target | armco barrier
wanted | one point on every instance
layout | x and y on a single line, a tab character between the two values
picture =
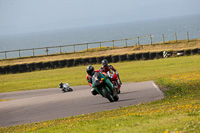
92	60
122	57
115	58
130	57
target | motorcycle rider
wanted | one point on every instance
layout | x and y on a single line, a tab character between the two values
106	67
90	72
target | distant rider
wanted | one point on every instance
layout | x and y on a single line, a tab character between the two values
90	72
106	67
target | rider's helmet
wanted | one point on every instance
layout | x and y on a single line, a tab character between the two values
90	70
104	62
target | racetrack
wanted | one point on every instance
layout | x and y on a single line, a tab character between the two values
46	104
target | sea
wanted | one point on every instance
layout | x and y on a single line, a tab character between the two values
156	28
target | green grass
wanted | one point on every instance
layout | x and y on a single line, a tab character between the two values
133	71
178	112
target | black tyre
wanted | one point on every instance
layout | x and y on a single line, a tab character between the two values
119	92
108	95
70	89
116	97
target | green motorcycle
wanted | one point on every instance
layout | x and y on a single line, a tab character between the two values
104	86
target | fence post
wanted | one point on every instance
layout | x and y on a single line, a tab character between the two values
87	46
19	54
5	55
126	42
138	40
60	50
74	48
176	37
113	45
100	45
188	36
47	50
163	38
151	39
33	53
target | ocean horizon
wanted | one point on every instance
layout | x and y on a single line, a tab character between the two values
167	26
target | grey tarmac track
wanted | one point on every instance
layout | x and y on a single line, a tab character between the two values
47	104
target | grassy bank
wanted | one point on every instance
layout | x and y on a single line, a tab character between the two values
167	46
133	71
178	112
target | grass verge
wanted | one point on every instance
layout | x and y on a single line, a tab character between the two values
178	112
133	71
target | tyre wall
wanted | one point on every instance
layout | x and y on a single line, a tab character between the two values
138	56
22	68
159	55
194	51
85	61
99	59
108	58
62	63
123	57
47	65
39	66
70	62
187	52
92	60
14	69
30	67
130	57
115	58
145	56
76	62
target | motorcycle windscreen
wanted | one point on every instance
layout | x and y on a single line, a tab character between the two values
97	79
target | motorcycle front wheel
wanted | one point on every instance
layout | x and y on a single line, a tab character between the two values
108	95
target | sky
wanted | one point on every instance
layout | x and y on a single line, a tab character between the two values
27	16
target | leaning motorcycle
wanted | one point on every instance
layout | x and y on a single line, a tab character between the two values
115	80
104	87
65	87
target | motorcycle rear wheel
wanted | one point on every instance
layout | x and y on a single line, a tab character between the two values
116	98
